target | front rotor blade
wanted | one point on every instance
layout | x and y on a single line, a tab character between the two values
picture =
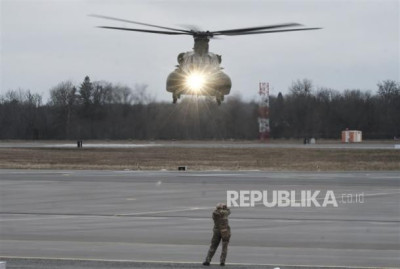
242	30
269	31
144	31
140	23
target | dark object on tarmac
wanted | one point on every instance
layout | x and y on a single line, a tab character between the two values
79	143
199	72
182	168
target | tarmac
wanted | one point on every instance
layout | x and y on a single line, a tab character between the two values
203	144
161	219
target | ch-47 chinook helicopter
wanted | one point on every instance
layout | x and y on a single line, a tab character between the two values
199	72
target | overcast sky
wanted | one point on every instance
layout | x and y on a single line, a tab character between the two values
46	42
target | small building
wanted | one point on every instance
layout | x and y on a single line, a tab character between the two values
351	136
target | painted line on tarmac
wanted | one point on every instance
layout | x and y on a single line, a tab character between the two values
163	211
381	194
39	172
79	217
190	262
213	175
244	219
38	218
321	199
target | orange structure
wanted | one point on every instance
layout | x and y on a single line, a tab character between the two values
351	136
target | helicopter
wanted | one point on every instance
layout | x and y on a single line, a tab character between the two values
199	71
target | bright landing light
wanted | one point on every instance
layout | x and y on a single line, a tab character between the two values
195	81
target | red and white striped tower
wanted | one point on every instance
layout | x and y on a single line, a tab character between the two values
263	111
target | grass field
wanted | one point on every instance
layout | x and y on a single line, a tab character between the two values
156	158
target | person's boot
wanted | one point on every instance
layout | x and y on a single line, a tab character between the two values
206	263
222	264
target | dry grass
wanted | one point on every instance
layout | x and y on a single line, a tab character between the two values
156	158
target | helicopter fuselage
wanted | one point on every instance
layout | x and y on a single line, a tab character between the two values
199	73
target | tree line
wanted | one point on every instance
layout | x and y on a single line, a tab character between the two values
102	110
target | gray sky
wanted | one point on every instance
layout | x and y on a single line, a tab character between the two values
46	42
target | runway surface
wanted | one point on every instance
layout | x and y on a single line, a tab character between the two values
166	217
219	144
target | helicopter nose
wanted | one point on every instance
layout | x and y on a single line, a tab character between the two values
195	81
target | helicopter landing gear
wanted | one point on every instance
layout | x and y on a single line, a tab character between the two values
174	98
220	98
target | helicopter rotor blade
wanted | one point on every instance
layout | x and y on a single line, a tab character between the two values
195	31
139	23
250	29
144	30
269	31
190	27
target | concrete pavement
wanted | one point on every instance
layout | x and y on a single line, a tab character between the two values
165	216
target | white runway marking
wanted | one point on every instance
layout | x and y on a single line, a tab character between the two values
93	145
381	194
212	175
38	218
321	199
76	216
34	172
165	211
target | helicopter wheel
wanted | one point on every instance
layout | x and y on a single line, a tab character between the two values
220	98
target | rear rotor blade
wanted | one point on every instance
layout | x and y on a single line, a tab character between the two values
249	29
145	31
140	23
269	31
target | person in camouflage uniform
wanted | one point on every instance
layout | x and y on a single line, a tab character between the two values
221	231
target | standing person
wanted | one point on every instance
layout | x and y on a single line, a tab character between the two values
221	231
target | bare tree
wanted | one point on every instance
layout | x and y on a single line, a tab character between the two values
64	94
122	95
101	110
301	87
63	98
140	94
102	93
389	92
19	114
388	88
